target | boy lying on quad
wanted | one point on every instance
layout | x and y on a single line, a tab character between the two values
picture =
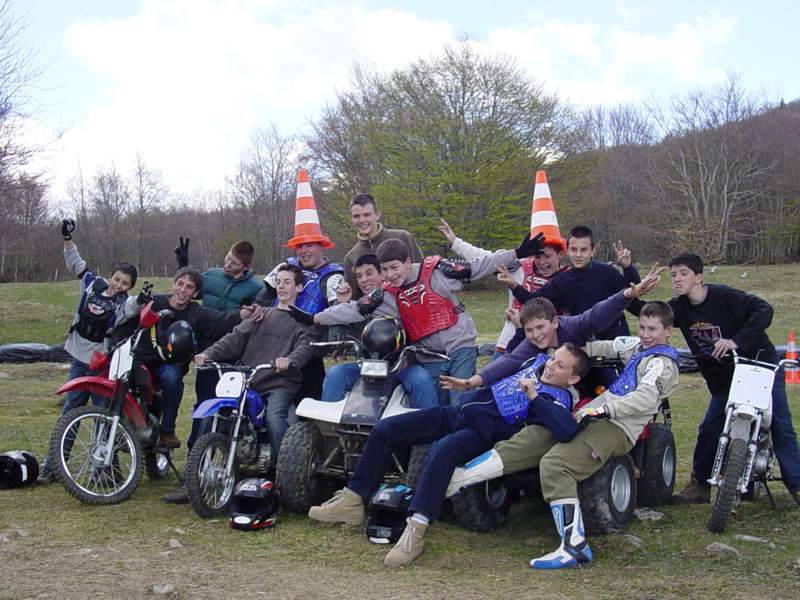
611	424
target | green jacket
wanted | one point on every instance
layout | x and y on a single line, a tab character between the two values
221	292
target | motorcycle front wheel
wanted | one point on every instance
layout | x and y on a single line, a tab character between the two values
79	445
209	484
733	469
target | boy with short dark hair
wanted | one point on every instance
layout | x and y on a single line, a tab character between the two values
588	281
715	319
102	305
276	337
365	217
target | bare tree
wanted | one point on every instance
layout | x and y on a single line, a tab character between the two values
110	199
147	194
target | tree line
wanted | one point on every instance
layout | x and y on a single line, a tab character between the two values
458	136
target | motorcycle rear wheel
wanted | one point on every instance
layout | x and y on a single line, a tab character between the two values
209	485
77	443
728	490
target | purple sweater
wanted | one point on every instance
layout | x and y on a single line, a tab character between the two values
577	329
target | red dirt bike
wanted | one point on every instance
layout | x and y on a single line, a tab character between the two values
99	451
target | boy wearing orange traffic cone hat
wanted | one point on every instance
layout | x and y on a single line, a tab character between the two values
715	319
322	277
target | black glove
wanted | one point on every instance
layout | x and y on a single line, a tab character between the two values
301	316
369	302
67	227
182	252
531	247
145	294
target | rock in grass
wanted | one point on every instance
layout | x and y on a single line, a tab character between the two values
23	533
722	550
797	565
634	540
163	589
751	539
3	537
174	544
179	531
648	514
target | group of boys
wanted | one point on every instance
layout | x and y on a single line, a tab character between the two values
564	314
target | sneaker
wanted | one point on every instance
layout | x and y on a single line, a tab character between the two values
345	507
408	547
169	440
179	496
694	492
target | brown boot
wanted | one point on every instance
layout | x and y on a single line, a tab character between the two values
408	547
345	507
179	496
697	491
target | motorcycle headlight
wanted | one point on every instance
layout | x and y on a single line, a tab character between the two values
374	368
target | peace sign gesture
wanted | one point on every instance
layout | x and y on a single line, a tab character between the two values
623	254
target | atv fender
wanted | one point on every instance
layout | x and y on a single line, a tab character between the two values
398	404
316	410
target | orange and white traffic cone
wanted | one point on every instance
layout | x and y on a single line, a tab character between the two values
543	214
791	373
306	217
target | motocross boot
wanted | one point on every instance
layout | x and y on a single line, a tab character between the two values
697	491
408	547
481	468
179	496
574	549
345	507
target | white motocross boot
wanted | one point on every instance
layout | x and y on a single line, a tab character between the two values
481	468
574	550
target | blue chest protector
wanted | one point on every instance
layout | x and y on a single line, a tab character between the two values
312	298
628	379
512	402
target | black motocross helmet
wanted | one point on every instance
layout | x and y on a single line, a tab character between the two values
178	345
387	512
254	505
383	337
17	469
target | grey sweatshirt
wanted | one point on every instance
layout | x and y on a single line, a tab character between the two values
276	335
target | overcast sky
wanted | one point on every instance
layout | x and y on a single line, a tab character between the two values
185	82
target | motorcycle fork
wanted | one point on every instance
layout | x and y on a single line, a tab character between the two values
117	400
722	447
237	425
752	447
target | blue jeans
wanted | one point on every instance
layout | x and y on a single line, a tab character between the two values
278	402
461	364
340	379
205	384
79	397
784	438
454	443
170	377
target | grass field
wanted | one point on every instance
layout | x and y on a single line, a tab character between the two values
51	546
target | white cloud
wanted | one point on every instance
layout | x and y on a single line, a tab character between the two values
186	81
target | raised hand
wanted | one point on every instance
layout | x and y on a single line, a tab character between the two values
531	246
623	254
512	314
648	283
446	382
504	277
145	294
447	232
182	252
344	293
67	227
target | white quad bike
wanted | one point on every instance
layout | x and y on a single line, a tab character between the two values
744	461
320	452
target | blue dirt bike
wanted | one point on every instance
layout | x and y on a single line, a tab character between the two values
237	439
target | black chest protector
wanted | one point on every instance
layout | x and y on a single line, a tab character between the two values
97	314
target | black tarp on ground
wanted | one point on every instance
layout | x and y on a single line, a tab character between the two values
33	352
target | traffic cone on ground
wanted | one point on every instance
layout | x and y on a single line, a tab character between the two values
306	217
543	214
791	373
